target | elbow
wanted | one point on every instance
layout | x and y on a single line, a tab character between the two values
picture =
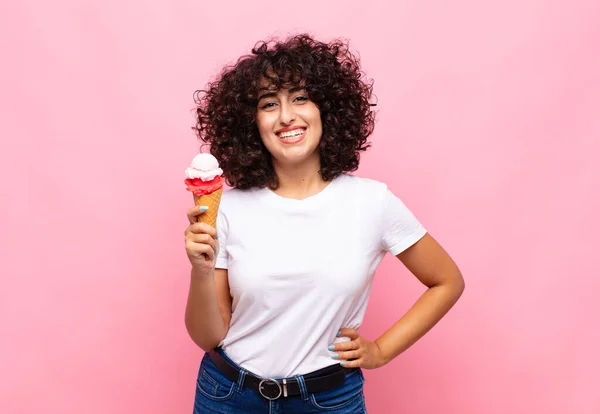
206	341
458	285
453	284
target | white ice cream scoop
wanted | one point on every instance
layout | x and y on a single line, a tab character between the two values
204	166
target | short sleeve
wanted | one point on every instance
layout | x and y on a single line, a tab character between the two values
400	228
222	230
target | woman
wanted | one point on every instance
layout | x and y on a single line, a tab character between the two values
280	288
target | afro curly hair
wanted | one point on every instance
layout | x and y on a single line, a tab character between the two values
226	109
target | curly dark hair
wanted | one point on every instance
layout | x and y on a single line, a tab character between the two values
330	73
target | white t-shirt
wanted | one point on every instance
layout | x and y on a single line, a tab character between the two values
299	270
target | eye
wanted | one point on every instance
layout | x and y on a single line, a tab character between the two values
301	98
268	105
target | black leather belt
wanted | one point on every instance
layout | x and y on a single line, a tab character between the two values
273	389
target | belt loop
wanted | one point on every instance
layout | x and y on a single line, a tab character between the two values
240	382
302	384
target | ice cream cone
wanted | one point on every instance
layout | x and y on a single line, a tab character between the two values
203	179
211	200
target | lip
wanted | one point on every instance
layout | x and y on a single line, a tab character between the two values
296	140
288	129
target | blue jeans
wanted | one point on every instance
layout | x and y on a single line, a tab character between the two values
215	393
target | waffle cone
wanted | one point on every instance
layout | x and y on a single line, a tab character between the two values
211	200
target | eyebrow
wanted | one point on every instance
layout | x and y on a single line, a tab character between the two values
272	93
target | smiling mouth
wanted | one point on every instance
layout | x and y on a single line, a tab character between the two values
291	137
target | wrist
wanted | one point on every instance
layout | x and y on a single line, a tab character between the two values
384	355
200	271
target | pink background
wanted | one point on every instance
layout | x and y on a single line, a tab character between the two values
489	129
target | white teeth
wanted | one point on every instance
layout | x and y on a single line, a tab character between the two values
291	134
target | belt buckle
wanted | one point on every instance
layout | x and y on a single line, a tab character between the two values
261	388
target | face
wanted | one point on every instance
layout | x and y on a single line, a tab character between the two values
289	125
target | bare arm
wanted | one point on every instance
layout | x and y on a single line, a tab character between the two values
208	310
430	263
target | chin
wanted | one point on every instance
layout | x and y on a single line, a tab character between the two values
297	158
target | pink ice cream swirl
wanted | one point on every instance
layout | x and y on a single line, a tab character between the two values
203	176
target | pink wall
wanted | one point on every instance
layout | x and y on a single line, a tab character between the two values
489	129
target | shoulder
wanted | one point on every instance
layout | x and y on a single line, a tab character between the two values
232	205
234	198
233	195
363	186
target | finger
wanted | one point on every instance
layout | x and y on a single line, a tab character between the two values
194	212
344	346
347	355
202	228
203	239
349	333
357	363
200	249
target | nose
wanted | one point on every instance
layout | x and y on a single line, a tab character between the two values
287	114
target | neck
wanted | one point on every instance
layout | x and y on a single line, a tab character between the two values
299	181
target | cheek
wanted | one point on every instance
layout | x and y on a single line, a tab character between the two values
262	128
264	124
265	130
316	122
314	116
